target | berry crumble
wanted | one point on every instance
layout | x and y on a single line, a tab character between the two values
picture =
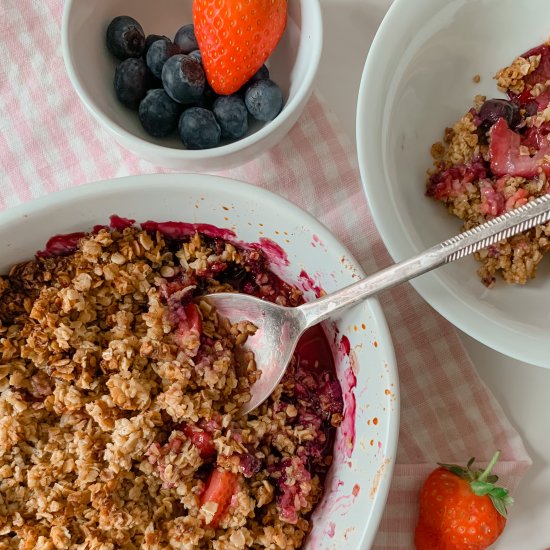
496	158
119	389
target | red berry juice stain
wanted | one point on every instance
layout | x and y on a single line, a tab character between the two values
272	251
120	223
308	283
183	230
331	529
313	347
61	245
350	403
345	345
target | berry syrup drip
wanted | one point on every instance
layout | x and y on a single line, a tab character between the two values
61	245
315	361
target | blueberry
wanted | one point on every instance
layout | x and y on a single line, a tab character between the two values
153	38
131	82
531	108
185	39
198	128
232	116
197	55
207	98
493	109
264	100
158	113
183	78
261	74
157	55
125	37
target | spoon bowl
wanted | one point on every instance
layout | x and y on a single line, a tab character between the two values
278	331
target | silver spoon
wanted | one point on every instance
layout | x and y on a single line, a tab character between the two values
279	327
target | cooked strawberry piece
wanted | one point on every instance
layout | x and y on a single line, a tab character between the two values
453	181
531	104
187	317
539	76
193	317
521	99
220	488
120	223
542	73
541	101
61	245
249	464
176	445
493	202
506	157
537	138
202	440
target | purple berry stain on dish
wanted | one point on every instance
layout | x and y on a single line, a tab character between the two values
350	402
274	252
183	230
308	283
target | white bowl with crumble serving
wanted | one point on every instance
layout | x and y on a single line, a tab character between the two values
138	68
453	118
119	386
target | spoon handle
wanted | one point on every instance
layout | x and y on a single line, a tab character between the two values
511	223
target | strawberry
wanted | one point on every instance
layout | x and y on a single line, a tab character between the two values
236	37
542	73
506	157
193	317
461	509
220	487
202	440
539	76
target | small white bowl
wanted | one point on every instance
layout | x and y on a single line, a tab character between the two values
358	482
91	68
418	79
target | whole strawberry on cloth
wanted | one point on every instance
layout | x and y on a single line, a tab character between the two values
236	37
461	509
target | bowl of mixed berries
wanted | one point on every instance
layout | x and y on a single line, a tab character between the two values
194	85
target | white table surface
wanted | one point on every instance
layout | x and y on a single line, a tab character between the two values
523	390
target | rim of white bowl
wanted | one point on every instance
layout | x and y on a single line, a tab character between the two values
460	312
138	144
176	182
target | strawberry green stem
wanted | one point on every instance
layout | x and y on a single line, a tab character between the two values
483	476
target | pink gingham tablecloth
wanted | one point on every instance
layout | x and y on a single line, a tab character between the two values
49	142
